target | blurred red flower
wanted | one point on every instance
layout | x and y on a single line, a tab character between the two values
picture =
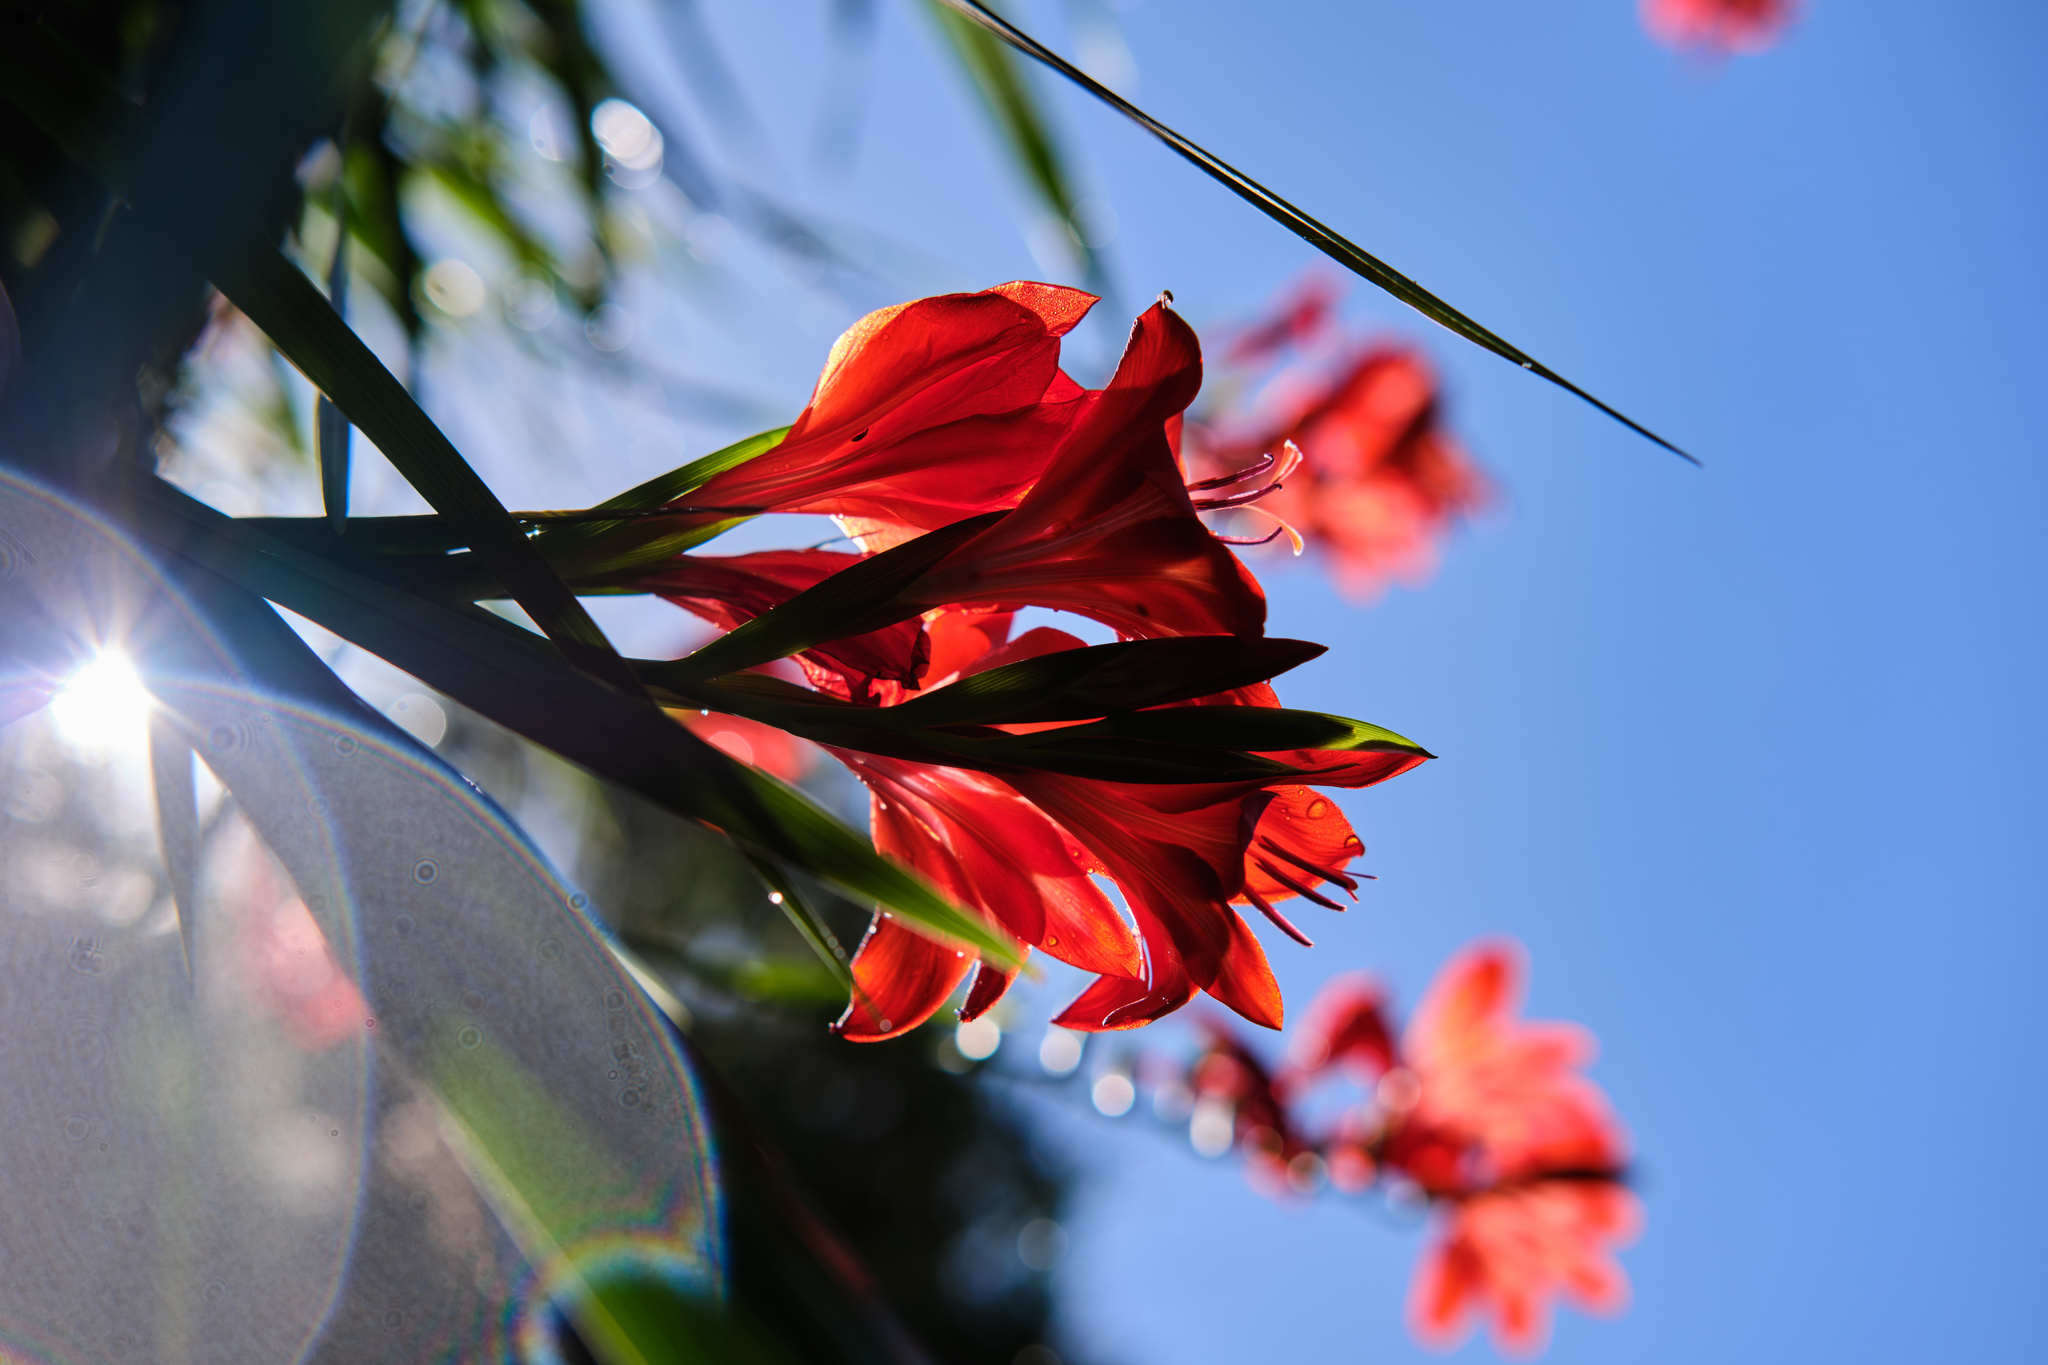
1486	1114
1719	25
1373	478
1534	1210
1511	1251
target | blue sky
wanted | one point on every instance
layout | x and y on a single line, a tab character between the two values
1745	754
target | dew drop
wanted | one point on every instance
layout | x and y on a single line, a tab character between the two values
1352	842
1318	808
1052	940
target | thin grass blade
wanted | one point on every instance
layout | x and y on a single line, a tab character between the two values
1311	230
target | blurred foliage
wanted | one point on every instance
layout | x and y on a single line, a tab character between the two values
894	1154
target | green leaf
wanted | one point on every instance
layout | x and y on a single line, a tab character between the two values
307	331
1079	684
1251	729
810	925
596	546
331	432
602	544
1000	82
1325	239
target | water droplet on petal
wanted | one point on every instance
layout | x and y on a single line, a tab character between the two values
1318	808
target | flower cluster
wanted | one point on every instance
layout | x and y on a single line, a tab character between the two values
1013	767
1373	479
1485	1115
1718	25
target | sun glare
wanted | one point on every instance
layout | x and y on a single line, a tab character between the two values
103	704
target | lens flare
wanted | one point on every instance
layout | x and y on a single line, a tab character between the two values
103	705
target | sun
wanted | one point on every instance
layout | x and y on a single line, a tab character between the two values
102	704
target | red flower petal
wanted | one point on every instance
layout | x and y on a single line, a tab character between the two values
1300	835
1117	1002
925	413
1244	979
900	978
1109	531
1178	855
987	847
1444	1293
1472	998
990	983
1346	1027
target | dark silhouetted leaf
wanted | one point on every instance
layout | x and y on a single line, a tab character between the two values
510	676
308	332
1079	684
332	428
862	597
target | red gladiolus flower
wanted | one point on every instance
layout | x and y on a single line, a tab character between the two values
926	412
1110	531
1718	25
1020	848
1509	1086
1378	480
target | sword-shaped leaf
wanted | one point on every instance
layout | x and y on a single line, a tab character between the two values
1080	684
